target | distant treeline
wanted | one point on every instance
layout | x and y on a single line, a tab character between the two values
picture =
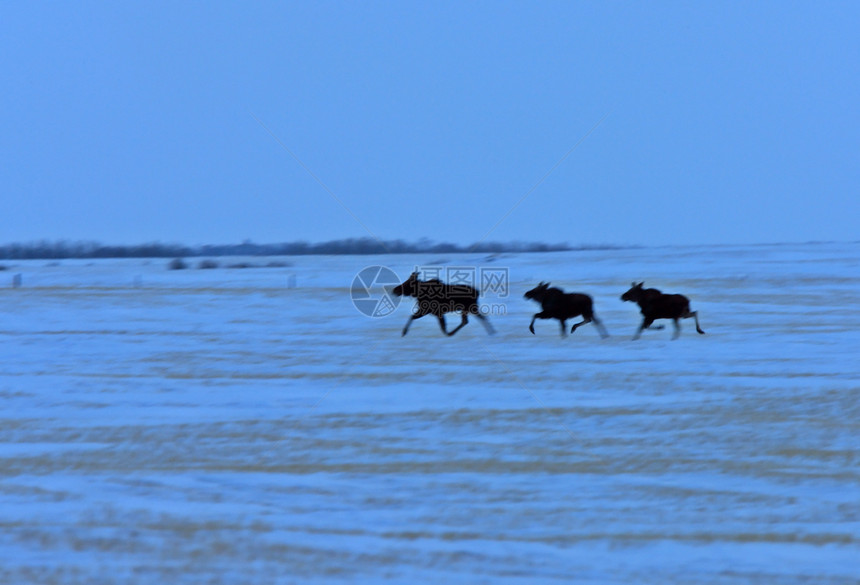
62	249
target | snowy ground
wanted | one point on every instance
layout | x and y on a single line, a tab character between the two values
223	426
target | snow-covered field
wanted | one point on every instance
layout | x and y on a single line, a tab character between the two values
225	426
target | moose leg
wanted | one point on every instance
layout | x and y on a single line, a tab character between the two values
695	315
408	323
600	328
442	323
677	328
486	323
648	326
463	322
563	327
583	322
646	322
540	315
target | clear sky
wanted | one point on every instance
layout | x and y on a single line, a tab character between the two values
723	122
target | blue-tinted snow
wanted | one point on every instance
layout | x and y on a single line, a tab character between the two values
223	426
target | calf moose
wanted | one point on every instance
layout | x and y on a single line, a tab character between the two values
437	298
653	304
557	304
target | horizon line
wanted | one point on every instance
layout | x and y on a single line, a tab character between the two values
90	249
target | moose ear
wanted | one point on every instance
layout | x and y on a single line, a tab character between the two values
546	285
640	284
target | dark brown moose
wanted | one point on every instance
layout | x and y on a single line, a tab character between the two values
437	298
653	304
557	304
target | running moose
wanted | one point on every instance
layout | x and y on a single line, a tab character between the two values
557	304
653	304
437	298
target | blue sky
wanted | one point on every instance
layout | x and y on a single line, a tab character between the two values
724	122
